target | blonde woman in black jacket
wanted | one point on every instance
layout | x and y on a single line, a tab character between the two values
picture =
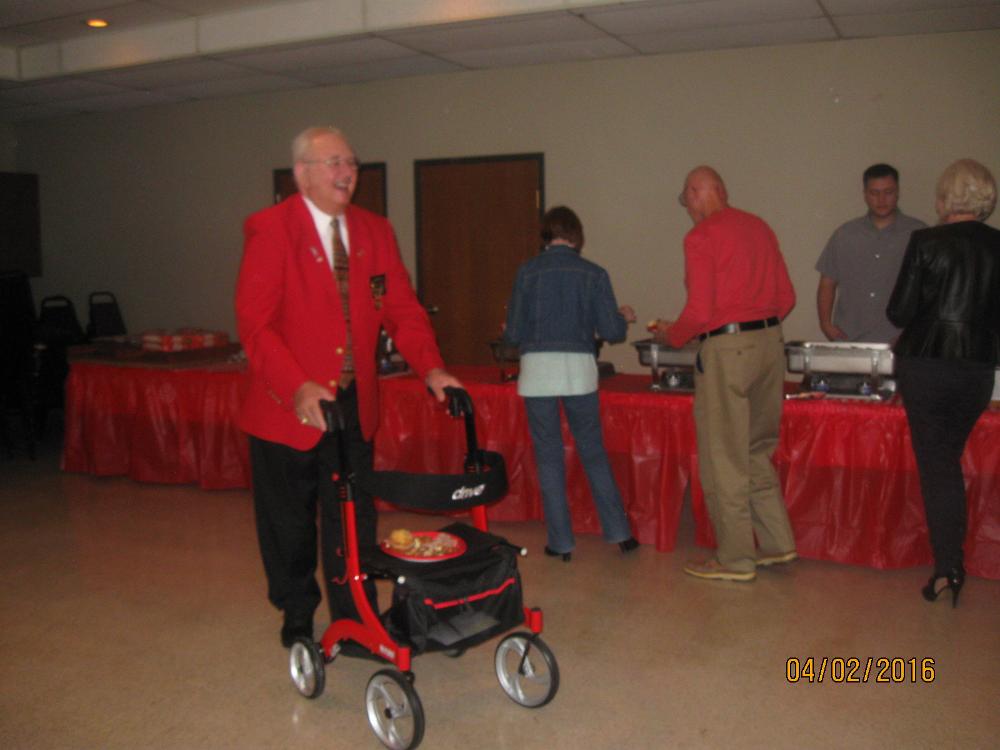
947	301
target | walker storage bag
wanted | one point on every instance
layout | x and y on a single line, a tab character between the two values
461	602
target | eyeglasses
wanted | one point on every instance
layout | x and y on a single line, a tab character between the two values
334	162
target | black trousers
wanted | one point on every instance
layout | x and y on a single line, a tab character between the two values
943	399
288	487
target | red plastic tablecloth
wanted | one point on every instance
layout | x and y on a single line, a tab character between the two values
156	425
847	467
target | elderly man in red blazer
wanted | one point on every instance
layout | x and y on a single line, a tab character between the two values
319	277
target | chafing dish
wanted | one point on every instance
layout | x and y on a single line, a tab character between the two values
671	369
845	369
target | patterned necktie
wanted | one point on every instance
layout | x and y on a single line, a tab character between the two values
340	270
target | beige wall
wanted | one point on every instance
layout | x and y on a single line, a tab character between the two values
149	203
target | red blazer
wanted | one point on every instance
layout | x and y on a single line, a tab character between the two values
291	324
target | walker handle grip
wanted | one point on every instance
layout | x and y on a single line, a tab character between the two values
332	415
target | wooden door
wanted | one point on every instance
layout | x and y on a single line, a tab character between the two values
478	219
369	192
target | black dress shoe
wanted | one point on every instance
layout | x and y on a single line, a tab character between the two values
296	626
566	556
628	545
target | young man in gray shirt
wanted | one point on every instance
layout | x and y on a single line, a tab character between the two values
859	265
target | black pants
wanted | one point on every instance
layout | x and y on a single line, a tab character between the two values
287	486
943	399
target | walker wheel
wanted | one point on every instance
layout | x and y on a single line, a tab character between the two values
527	669
394	710
305	665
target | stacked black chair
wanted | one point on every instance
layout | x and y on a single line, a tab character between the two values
58	329
105	317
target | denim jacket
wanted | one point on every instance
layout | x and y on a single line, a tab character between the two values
560	302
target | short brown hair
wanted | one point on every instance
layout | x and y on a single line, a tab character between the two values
561	223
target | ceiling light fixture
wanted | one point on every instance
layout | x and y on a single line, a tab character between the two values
96	23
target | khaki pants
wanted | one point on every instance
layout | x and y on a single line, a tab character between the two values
737	413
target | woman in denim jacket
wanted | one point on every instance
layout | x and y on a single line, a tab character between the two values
560	305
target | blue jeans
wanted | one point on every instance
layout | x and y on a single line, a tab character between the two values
584	417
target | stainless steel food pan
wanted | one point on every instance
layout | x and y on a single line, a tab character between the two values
839	356
654	354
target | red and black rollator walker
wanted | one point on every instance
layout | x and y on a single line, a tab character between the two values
454	588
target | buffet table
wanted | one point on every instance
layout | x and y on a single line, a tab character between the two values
846	466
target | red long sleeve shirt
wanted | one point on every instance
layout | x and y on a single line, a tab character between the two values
734	273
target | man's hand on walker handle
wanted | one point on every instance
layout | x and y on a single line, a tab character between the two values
438	379
307	406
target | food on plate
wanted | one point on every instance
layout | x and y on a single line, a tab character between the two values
426	544
401	540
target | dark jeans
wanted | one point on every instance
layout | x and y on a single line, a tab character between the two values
287	485
943	399
584	417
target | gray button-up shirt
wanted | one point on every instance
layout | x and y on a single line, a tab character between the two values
864	261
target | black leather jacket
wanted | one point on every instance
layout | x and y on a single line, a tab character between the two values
947	295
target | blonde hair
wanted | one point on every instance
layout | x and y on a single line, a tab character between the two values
966	187
302	142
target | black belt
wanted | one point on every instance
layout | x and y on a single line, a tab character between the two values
750	325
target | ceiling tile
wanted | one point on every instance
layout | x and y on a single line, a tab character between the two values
752	35
253	84
304	57
867	7
380	70
15	39
168	74
57	91
16	12
699	15
208	7
535	54
120	18
499	33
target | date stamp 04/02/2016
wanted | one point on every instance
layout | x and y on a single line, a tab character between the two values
881	669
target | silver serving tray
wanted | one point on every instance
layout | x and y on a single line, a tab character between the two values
852	357
671	369
654	354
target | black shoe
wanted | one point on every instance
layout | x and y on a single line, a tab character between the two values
628	545
954	579
566	556
297	625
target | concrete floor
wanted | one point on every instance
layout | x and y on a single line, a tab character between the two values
134	616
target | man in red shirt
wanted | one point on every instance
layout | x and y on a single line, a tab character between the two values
738	291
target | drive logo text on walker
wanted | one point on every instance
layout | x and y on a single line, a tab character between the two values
464	493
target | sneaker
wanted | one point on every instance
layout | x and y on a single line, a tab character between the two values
712	570
784	557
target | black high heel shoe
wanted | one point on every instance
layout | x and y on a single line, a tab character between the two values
628	545
566	556
954	579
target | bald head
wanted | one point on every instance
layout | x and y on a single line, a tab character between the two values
704	193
